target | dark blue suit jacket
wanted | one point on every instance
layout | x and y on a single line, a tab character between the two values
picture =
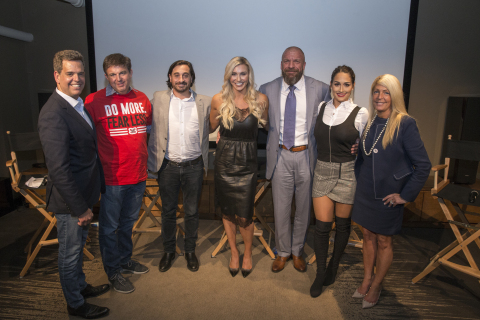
75	174
403	167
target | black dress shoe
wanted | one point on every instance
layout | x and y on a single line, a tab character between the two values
246	272
88	311
166	261
192	261
91	291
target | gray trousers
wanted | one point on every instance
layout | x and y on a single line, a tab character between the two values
291	176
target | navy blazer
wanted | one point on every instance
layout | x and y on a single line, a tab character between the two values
75	174
403	167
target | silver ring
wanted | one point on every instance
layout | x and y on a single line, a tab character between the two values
391	201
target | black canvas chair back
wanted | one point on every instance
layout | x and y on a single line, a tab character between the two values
463	150
24	141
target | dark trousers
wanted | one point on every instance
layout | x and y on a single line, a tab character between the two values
171	179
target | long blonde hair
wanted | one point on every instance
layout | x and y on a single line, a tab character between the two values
227	108
398	106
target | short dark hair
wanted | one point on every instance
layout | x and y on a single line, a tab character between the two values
179	63
116	59
67	55
344	69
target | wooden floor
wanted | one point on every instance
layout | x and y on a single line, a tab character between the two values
444	294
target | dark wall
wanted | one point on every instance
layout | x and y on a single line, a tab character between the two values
446	63
27	67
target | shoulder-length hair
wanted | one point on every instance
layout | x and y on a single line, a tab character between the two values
398	106
227	108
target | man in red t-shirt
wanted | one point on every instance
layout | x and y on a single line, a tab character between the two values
121	115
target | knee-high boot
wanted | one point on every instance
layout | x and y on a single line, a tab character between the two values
322	234
342	226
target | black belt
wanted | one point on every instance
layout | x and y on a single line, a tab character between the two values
185	163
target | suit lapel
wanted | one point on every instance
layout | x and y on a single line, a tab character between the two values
73	114
165	110
276	101
310	92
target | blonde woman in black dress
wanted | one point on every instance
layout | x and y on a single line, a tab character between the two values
238	109
339	124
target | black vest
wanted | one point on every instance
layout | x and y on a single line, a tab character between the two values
334	143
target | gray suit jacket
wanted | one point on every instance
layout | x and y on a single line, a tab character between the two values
317	92
157	143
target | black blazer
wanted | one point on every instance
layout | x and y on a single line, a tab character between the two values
75	174
403	167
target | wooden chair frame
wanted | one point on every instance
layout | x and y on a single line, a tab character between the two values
262	186
470	234
33	198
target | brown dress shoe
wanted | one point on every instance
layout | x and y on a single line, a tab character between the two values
279	263
299	263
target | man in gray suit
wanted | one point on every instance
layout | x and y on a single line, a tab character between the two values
178	151
292	152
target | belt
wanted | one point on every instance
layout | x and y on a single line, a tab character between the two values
185	163
294	149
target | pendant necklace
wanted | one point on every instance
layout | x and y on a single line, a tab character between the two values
378	138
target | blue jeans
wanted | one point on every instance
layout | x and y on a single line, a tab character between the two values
170	180
119	209
71	239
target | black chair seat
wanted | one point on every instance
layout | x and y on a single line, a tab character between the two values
25	178
459	194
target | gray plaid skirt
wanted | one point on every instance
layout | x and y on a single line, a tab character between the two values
335	180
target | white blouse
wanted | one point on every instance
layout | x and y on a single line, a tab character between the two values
334	116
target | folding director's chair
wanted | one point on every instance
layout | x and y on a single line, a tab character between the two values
28	142
460	197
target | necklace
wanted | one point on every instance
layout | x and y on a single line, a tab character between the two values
378	138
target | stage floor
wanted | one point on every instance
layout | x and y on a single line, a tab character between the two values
211	293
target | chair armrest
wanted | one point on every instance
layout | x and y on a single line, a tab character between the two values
10	163
439	167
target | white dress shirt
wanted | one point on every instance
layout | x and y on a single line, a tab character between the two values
77	104
301	132
183	142
334	116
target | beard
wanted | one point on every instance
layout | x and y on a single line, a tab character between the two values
177	88
291	80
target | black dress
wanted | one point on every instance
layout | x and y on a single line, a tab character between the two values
236	169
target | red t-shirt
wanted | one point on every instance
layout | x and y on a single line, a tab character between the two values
121	122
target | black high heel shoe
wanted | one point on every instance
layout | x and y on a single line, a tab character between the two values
233	271
246	272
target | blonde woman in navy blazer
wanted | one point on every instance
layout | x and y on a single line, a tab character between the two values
391	169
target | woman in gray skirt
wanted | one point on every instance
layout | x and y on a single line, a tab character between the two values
339	124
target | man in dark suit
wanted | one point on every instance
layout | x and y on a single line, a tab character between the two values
75	178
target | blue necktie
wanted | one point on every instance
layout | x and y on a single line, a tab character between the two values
289	119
